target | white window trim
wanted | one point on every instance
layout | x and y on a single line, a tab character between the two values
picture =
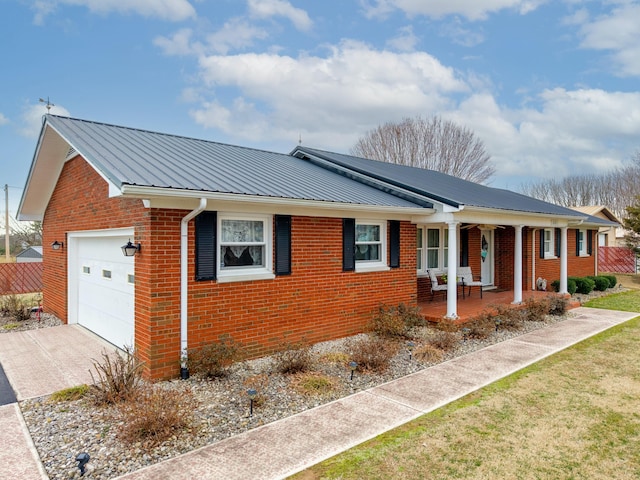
442	249
552	244
246	274
584	252
381	265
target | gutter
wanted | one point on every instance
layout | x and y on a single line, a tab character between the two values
184	285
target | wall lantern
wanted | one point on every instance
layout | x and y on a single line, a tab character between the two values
57	245
130	249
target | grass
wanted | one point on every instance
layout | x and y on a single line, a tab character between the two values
626	301
573	415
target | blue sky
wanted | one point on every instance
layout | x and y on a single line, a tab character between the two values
551	87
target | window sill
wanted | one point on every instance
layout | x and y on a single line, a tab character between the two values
584	255
372	268
245	277
550	257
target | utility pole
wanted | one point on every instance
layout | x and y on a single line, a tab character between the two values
6	224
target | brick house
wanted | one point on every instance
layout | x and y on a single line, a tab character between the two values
227	241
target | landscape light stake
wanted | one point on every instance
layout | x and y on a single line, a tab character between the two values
82	459
465	334
410	346
498	322
353	366
252	395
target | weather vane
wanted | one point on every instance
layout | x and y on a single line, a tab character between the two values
48	104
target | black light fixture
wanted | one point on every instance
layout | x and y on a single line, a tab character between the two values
130	249
353	366
82	459
56	245
252	393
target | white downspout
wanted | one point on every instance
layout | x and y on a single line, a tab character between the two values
184	285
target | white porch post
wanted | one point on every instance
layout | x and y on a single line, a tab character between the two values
452	272
563	260
517	266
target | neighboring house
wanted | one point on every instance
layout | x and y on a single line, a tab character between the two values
260	246
608	235
30	254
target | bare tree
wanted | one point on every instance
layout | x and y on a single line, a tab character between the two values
616	189
433	144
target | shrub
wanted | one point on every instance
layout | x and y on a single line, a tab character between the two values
339	358
584	285
481	326
428	353
536	309
557	305
313	383
443	340
396	321
372	353
154	415
601	283
15	306
509	318
259	383
69	394
612	280
213	360
119	376
293	357
571	285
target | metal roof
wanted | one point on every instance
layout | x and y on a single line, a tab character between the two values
439	186
128	156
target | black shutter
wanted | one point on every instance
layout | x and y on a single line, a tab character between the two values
542	243
589	242
206	224
464	248
394	243
348	244
577	242
558	241
283	245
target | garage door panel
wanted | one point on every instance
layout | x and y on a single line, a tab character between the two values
105	293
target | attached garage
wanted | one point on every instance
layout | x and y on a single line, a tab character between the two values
102	284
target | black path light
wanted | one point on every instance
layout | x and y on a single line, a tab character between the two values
82	459
465	334
498	322
410	347
353	366
252	393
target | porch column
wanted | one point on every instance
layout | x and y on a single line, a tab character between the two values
452	272
517	266
563	260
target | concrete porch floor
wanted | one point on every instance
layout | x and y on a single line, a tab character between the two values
470	306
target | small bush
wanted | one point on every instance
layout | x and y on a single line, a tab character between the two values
601	283
372	353
571	286
313	383
613	281
510	318
481	326
337	358
69	394
154	415
428	353
15	306
293	358
536	309
213	360
119	376
557	305
396	321
584	285
443	340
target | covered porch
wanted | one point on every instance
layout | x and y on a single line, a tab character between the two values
470	306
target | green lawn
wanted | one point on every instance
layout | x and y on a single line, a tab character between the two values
626	301
574	415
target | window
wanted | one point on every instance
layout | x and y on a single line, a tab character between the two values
244	244
131	279
106	273
584	243
371	248
548	248
86	270
436	245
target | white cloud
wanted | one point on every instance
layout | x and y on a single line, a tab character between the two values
235	34
471	9
3	120
617	32
32	117
461	35
405	41
173	10
178	44
334	98
281	8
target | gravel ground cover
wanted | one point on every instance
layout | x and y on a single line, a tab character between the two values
61	430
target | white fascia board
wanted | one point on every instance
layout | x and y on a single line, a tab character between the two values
186	199
504	217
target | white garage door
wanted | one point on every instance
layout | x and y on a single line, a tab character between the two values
106	288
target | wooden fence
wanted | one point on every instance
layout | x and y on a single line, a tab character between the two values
20	278
616	260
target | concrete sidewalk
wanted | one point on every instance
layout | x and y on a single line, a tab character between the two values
285	447
40	362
